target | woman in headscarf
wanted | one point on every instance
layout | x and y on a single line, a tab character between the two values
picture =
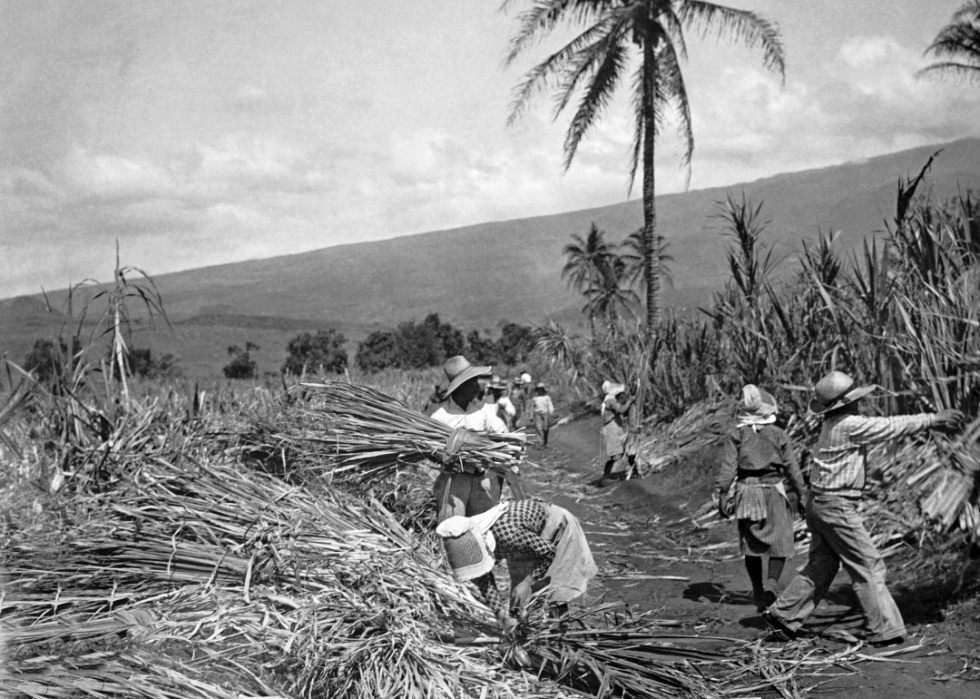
615	442
544	546
760	461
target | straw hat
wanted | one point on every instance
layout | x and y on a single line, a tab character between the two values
468	556
497	383
610	388
758	400
459	370
835	390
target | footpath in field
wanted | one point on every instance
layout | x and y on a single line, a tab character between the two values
659	546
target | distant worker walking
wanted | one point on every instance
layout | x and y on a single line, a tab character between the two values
760	461
498	403
837	480
543	410
615	442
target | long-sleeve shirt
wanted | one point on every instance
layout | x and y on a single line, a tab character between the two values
543	404
518	535
475	417
841	450
614	410
763	452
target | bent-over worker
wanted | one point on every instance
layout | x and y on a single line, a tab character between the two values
544	546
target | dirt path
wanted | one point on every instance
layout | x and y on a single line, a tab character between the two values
653	555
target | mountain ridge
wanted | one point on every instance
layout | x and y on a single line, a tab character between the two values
478	275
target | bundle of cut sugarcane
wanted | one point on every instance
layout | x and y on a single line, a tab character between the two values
368	435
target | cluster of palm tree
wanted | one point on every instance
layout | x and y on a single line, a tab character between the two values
608	274
610	37
642	42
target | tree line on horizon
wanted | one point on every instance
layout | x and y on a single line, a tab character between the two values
412	345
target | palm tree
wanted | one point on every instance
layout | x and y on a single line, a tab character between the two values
607	294
596	60
587	259
594	269
957	46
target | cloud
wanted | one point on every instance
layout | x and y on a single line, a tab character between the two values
110	177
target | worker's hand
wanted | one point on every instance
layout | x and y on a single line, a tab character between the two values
725	506
449	461
951	420
522	594
507	623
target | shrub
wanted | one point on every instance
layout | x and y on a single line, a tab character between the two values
241	365
320	352
378	351
515	344
412	346
142	363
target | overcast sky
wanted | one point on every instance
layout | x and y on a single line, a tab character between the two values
205	132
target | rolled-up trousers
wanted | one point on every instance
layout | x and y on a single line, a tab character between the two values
839	538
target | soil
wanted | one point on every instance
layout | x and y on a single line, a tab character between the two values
660	548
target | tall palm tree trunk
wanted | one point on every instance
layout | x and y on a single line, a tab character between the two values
651	261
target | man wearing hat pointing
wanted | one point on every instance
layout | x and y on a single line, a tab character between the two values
470	492
839	538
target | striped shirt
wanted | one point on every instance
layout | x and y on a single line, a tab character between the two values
841	451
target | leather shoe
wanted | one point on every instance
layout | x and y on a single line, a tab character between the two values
779	629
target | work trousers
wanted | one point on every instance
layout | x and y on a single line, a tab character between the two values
838	537
541	426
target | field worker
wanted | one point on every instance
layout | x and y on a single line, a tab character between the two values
472	491
759	459
498	403
464	394
544	547
837	479
543	409
614	442
527	392
518	394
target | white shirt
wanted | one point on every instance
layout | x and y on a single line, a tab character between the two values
476	417
505	403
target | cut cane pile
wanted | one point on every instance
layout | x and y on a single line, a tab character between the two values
189	573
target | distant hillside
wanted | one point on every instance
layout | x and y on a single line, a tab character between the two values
478	275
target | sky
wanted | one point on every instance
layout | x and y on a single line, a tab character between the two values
198	133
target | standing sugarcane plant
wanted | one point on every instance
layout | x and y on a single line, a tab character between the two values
612	35
114	321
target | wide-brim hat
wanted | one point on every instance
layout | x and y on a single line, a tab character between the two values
496	383
468	556
459	371
758	401
835	390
